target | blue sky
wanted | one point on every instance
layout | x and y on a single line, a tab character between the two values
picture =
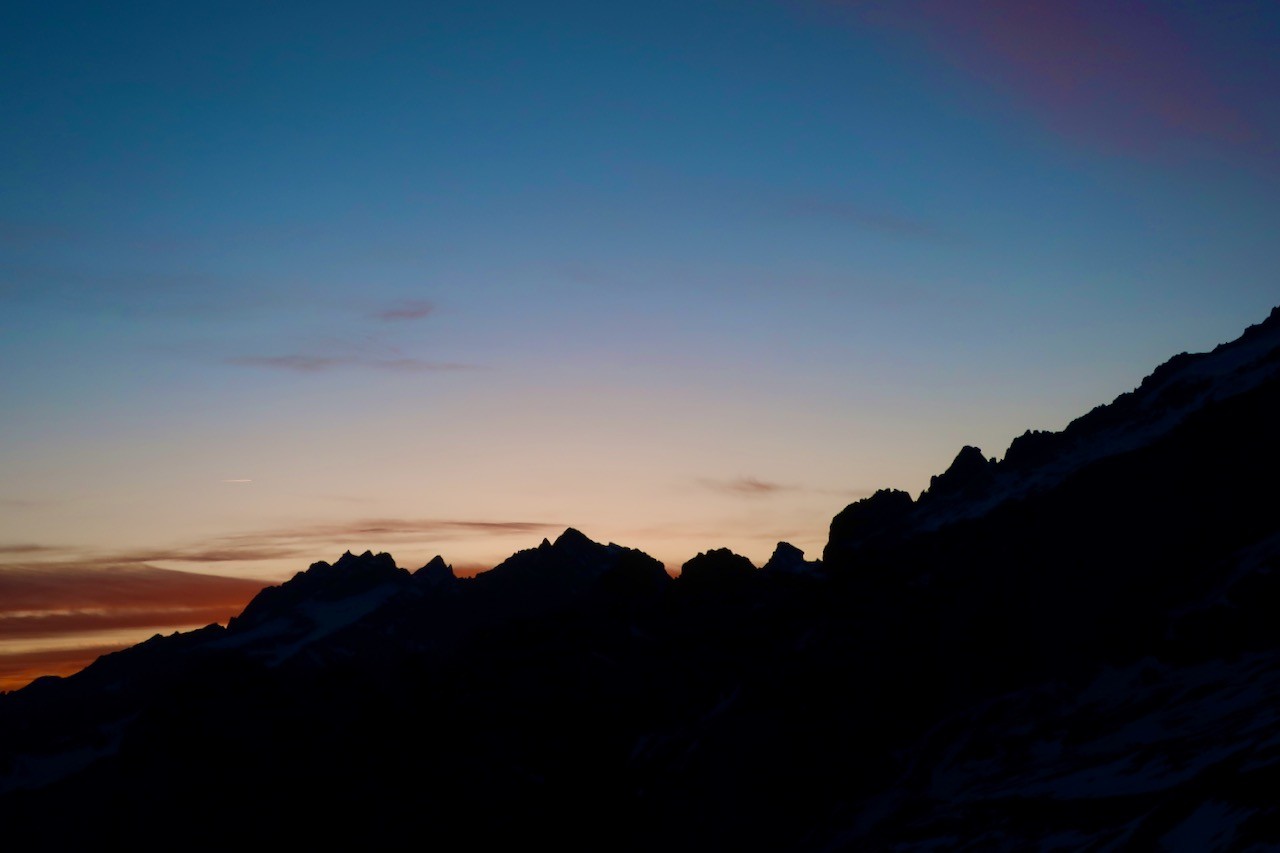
447	277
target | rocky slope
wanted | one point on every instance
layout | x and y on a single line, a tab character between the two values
1073	647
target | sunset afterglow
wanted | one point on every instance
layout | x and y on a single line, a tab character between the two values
278	282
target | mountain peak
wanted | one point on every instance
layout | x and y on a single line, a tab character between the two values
381	561
349	575
788	559
880	515
569	565
435	573
572	537
970	470
1176	392
717	568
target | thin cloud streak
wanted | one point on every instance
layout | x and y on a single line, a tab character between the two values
17	669
21	503
749	486
65	623
298	363
861	217
1121	76
754	487
220	553
91	585
24	234
407	310
388	529
55	616
28	549
303	542
55	613
207	555
295	363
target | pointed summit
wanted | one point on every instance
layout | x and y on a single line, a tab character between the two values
969	471
573	538
569	565
435	573
787	559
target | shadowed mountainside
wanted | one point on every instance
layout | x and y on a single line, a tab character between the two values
1073	646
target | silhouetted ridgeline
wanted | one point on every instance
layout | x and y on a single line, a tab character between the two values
1077	645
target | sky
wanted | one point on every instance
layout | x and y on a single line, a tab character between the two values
280	279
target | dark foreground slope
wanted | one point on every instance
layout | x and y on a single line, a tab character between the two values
1074	647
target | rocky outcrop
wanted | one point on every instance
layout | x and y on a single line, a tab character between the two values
350	575
873	519
435	574
968	473
717	569
787	559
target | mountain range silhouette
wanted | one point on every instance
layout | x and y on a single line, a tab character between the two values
1075	646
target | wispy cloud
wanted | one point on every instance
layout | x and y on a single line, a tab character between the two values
311	542
747	486
753	487
19	668
296	363
22	503
23	548
207	554
304	541
1129	77
61	607
64	624
56	618
126	293
859	216
411	309
75	559
417	365
91	585
23	234
301	363
383	530
589	275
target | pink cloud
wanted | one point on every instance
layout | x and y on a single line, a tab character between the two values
749	486
1127	77
413	309
301	363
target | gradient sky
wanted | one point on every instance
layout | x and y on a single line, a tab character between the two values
282	279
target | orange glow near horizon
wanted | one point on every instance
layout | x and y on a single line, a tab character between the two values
58	617
19	670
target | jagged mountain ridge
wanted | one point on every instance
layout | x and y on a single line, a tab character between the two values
984	665
1039	460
